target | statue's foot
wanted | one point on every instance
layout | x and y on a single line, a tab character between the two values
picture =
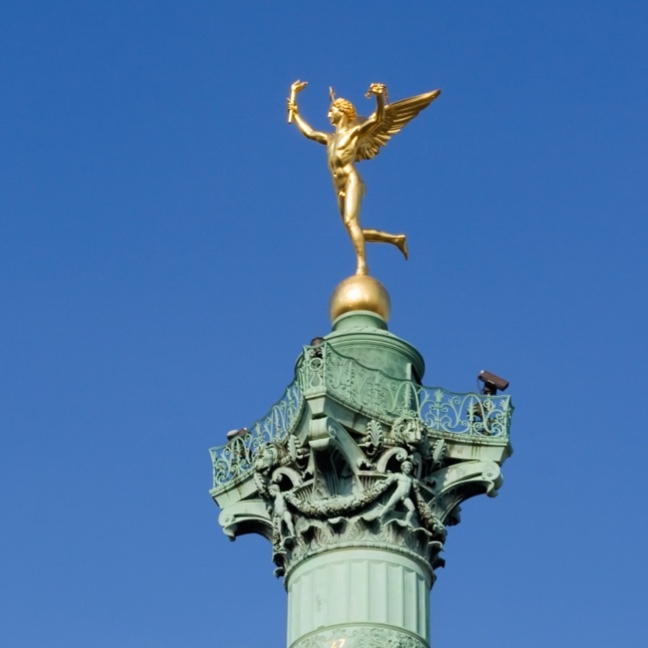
362	270
401	244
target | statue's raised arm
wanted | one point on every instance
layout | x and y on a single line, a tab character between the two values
394	117
356	139
293	114
379	90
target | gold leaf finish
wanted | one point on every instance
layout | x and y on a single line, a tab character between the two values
356	139
360	292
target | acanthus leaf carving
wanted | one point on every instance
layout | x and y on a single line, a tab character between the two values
374	438
333	487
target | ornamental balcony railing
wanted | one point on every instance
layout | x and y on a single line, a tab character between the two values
233	461
378	395
322	371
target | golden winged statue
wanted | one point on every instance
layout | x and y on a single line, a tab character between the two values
356	139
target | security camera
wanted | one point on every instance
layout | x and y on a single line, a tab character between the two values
492	382
232	434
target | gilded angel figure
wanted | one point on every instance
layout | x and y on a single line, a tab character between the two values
356	139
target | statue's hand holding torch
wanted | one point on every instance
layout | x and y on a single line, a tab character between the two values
295	88
378	89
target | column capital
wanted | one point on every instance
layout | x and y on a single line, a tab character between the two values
352	456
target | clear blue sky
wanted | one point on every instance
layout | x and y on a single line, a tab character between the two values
168	243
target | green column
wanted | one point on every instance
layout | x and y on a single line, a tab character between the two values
354	476
359	596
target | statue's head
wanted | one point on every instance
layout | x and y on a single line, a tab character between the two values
267	459
407	467
341	108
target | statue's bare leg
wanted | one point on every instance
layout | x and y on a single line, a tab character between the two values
377	236
409	505
287	518
350	199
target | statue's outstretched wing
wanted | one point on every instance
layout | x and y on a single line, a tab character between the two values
396	116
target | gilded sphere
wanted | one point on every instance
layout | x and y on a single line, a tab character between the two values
360	293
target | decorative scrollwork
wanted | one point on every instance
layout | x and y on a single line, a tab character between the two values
415	412
387	399
311	370
237	459
373	440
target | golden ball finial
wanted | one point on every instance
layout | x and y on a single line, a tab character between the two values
360	293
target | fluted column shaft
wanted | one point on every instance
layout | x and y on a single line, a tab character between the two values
359	597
